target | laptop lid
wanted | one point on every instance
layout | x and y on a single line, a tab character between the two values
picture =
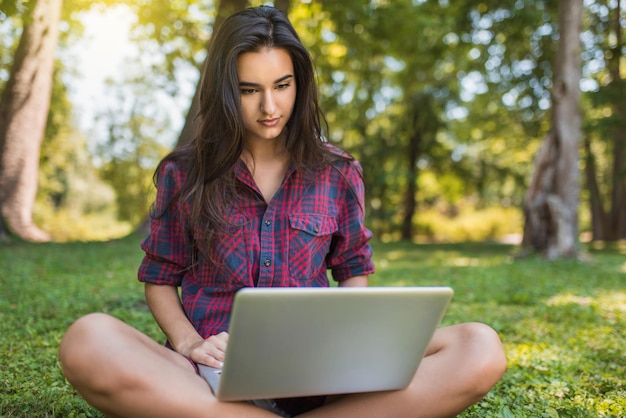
289	342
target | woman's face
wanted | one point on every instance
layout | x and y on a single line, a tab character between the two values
267	88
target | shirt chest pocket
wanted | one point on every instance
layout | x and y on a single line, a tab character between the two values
310	235
230	253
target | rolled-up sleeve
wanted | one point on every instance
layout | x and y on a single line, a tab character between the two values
351	254
167	254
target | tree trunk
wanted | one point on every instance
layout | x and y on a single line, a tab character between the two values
283	5
410	203
23	113
422	129
551	202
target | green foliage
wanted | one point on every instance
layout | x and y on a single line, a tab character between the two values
386	68
8	45
482	72
464	223
11	8
179	29
560	321
65	224
72	203
137	134
133	127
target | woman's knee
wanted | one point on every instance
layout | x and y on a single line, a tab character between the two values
86	328
82	341
487	360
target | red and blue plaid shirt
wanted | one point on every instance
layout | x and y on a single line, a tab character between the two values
312	224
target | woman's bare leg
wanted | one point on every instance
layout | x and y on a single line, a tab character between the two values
462	364
123	372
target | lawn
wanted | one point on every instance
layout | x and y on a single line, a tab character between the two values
562	322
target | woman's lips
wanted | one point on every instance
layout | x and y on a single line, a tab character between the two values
270	122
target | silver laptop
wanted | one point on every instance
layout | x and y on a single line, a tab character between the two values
290	342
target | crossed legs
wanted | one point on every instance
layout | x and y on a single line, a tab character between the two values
462	364
122	372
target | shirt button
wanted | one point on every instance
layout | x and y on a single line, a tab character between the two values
268	222
316	229
267	262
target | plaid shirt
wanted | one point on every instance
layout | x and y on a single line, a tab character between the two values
310	225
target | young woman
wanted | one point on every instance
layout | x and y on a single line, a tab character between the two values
257	199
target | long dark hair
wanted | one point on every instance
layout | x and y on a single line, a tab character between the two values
218	142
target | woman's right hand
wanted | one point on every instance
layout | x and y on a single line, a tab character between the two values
210	351
166	308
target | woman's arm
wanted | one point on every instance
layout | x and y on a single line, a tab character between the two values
167	310
356	281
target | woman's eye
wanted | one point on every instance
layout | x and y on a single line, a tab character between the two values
283	86
248	91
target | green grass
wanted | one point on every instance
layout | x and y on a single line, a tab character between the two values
562	322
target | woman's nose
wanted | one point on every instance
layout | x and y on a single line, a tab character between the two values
268	104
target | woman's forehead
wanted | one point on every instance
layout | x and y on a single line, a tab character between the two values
264	67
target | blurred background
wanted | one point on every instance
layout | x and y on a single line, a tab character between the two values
446	105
